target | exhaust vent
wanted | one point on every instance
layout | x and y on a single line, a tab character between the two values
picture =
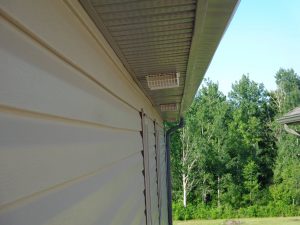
163	81
173	107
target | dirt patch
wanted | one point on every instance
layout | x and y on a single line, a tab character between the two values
232	222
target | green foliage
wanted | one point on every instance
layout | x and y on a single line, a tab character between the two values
288	90
246	164
201	211
251	185
243	221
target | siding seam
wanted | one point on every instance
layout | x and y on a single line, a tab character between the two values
38	115
112	55
43	44
63	58
147	182
71	6
65	184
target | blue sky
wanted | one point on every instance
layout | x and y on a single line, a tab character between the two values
263	36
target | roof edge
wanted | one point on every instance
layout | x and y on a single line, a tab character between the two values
197	65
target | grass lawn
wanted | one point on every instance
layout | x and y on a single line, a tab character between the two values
244	221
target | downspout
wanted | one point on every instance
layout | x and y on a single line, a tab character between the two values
169	180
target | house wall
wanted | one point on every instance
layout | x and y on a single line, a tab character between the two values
70	124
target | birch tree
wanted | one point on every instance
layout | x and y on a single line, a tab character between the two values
189	160
212	116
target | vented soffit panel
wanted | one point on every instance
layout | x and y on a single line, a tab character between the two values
157	38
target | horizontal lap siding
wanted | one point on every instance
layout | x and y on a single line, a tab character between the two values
153	173
70	143
107	196
63	27
38	81
158	169
164	201
63	173
38	154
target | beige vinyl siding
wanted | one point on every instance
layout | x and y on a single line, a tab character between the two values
32	79
145	135
164	200
161	171
155	173
152	172
158	169
77	177
63	29
70	142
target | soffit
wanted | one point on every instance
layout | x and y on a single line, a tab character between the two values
162	36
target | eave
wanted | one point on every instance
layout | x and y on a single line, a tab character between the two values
163	36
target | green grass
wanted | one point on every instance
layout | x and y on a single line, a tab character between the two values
245	221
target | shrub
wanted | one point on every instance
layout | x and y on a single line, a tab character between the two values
202	211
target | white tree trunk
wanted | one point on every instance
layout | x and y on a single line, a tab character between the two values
189	160
184	189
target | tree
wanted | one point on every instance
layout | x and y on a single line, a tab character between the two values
250	175
250	134
209	129
189	160
286	186
287	95
232	153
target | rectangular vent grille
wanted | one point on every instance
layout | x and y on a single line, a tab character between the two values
163	81
173	107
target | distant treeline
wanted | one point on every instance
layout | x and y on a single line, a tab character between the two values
232	158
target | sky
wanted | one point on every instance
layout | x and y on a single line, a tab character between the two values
263	36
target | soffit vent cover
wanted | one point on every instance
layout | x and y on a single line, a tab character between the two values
163	81
173	107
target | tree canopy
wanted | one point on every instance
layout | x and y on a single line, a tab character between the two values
233	153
